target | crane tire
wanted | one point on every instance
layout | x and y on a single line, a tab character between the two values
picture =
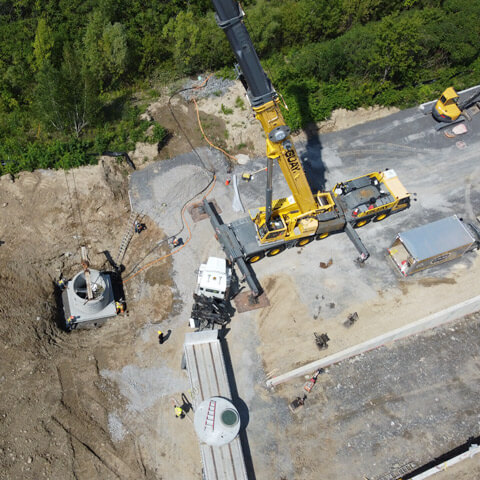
381	216
275	251
303	241
361	223
321	236
256	257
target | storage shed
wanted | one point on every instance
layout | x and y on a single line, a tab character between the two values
432	244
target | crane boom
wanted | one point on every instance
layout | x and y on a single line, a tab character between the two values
265	104
259	87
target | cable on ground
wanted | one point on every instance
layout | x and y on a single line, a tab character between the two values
212	182
185	223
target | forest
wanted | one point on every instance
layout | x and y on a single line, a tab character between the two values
76	74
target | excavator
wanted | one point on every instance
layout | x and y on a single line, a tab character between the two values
449	109
304	216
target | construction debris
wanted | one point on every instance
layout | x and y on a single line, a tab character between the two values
208	312
326	265
321	340
297	404
351	319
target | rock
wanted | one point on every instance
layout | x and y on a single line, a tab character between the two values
146	116
242	159
29	460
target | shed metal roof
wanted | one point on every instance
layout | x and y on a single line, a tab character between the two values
436	238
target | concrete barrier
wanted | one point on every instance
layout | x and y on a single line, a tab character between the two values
435	320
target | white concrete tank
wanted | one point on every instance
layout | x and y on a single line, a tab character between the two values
216	421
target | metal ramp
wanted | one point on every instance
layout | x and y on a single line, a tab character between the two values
208	378
127	236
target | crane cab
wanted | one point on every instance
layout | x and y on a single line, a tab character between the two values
446	109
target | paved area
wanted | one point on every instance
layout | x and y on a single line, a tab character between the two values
396	406
392	406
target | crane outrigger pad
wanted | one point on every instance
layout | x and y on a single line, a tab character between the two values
244	302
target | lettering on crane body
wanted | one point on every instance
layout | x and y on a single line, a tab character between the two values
292	160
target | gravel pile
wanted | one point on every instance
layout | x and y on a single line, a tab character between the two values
214	86
161	189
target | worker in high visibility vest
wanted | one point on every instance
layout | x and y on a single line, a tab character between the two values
179	413
120	307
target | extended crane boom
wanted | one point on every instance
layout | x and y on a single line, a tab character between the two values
265	103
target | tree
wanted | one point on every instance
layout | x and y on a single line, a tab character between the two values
105	48
43	44
398	47
197	43
67	98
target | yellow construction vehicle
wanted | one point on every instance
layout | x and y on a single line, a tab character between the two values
304	216
449	108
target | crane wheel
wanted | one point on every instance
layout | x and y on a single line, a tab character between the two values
381	216
362	222
321	236
303	241
256	257
275	251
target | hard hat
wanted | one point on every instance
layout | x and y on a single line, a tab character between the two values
159	332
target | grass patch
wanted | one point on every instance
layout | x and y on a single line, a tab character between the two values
225	110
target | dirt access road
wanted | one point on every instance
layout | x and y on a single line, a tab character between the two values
96	404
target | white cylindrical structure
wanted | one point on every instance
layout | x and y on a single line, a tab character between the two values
216	421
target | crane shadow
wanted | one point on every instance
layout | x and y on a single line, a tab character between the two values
311	154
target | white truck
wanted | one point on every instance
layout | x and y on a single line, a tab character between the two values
211	297
214	278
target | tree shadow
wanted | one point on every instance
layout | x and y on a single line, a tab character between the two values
311	157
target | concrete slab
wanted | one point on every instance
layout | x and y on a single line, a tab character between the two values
432	321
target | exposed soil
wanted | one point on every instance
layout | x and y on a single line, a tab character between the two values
55	386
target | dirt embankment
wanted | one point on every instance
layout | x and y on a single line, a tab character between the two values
53	415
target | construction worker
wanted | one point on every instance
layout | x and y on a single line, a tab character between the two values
62	284
120	307
179	413
161	338
139	227
70	321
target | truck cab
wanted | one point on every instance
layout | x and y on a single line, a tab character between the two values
214	278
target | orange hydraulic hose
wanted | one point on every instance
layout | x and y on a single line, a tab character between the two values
206	138
186	205
181	246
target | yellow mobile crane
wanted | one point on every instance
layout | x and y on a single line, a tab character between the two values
304	216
